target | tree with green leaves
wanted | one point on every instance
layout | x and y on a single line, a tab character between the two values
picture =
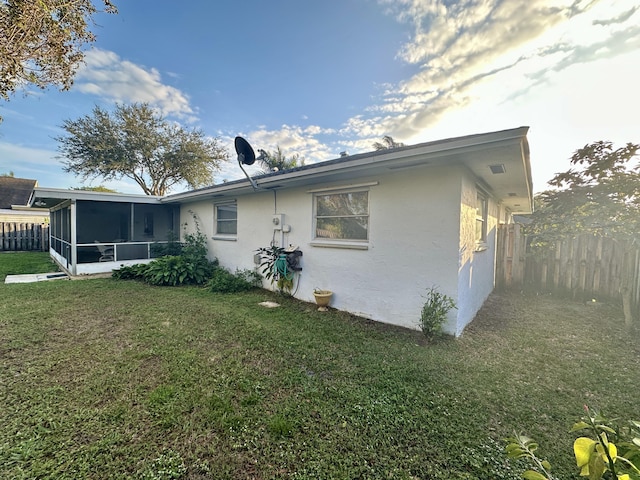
137	142
601	197
41	42
277	161
99	188
388	143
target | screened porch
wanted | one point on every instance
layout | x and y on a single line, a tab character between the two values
99	235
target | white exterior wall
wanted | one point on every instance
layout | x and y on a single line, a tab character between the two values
413	243
476	269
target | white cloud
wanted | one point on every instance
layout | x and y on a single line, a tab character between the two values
489	53
108	76
566	68
13	156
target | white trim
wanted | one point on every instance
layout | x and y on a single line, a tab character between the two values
343	187
340	242
348	244
225	238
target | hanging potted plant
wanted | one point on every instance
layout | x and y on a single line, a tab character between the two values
323	298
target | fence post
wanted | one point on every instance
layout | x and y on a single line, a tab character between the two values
24	236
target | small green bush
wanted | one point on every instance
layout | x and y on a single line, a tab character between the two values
224	281
172	247
178	270
131	272
434	313
190	267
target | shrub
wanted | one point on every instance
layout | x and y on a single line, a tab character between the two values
132	272
224	281
172	247
195	245
190	267
434	313
178	270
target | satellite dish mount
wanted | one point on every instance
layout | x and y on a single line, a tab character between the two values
246	156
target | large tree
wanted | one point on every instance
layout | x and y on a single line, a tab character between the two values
601	196
137	142
41	41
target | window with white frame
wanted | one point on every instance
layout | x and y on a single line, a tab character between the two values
481	218
226	218
342	215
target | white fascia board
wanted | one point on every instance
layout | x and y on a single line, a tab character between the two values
362	161
64	194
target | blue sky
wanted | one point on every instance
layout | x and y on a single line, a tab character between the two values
319	78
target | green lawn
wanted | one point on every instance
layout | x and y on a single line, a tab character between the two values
110	379
16	263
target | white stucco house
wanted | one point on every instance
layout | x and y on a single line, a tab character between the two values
377	228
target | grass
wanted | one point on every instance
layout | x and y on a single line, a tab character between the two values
16	263
118	379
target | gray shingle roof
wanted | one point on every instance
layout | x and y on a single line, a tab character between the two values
15	191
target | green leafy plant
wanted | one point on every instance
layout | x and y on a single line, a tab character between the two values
190	267
434	313
523	447
178	270
268	258
172	246
224	281
269	263
131	272
609	451
285	283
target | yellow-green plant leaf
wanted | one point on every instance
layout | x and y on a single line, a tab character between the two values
636	441
584	471
579	426
514	450
532	475
624	476
596	467
613	452
546	465
583	448
607	429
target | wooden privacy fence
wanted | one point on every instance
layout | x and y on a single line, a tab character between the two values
24	236
586	266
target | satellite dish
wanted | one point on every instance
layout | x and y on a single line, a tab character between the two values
246	155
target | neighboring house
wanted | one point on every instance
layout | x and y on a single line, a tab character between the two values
378	228
14	199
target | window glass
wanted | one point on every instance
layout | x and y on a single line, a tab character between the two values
342	216
481	218
227	219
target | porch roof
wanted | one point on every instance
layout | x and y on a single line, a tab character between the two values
50	197
499	159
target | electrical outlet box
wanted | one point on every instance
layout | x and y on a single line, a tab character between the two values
278	221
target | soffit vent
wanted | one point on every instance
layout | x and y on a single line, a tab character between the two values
497	169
